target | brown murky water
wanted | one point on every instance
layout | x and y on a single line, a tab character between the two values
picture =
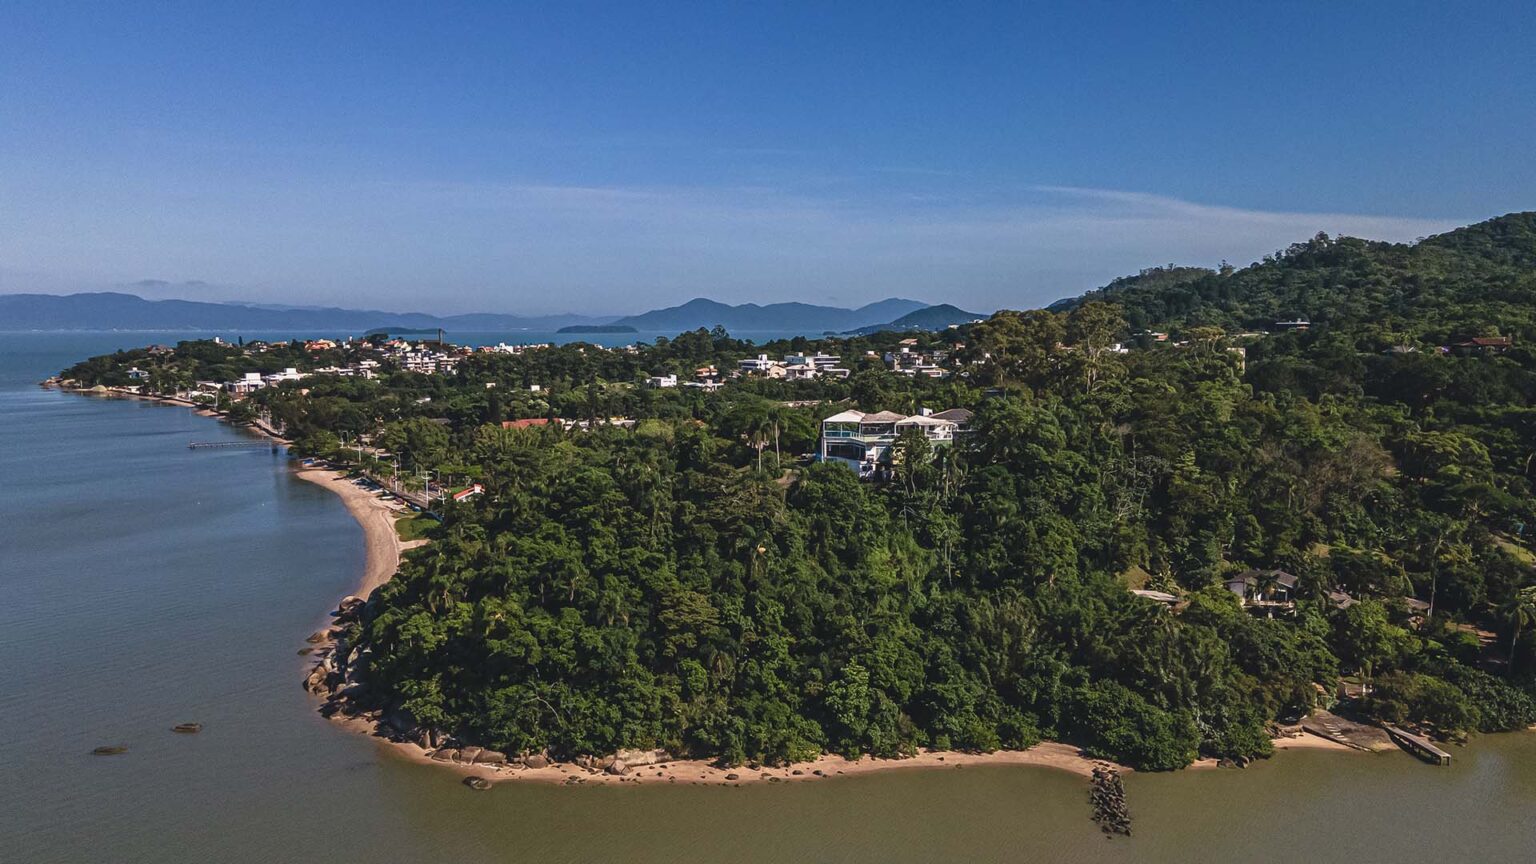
144	585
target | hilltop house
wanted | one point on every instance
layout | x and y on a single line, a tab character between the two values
760	365
1263	587
1483	345
914	363
863	441
814	366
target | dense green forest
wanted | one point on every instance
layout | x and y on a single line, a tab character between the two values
695	582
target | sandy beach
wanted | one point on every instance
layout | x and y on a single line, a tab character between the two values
1047	754
376	516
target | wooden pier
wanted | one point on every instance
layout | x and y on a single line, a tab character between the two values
1418	745
229	445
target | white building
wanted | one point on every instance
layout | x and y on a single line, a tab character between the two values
661	381
276	378
250	382
825	365
760	365
863	441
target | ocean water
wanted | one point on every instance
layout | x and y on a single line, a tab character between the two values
143	584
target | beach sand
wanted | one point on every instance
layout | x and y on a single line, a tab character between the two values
377	518
1047	754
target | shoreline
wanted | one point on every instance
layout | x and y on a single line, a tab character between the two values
383	551
382	544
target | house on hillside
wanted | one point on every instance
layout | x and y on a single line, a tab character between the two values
1485	345
1264	589
760	365
863	441
824	365
250	382
961	417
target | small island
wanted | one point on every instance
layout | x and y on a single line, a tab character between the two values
598	328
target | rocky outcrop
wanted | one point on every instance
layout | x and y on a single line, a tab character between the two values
1107	795
319	679
350	609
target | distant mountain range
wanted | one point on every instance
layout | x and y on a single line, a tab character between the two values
119	311
115	311
927	318
801	317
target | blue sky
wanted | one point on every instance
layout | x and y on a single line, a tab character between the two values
612	157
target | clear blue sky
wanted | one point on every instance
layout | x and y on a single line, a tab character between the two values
610	157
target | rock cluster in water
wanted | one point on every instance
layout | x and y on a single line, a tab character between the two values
1107	795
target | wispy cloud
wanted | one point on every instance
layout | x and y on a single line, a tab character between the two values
554	247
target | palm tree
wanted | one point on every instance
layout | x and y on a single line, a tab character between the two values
1520	610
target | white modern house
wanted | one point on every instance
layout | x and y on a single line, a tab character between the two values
828	365
759	365
863	441
275	378
661	381
250	382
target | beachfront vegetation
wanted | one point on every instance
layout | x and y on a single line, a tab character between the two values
692	582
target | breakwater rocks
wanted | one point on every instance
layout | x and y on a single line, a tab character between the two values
1107	795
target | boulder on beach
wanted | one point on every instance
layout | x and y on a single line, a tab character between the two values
536	760
618	768
468	754
636	758
318	679
490	757
479	784
445	754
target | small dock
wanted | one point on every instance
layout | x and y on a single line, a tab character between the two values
1419	746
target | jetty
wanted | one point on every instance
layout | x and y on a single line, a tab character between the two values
230	445
1418	745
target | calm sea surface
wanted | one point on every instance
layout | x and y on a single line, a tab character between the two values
144	585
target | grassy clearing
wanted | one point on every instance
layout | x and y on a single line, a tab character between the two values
416	526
